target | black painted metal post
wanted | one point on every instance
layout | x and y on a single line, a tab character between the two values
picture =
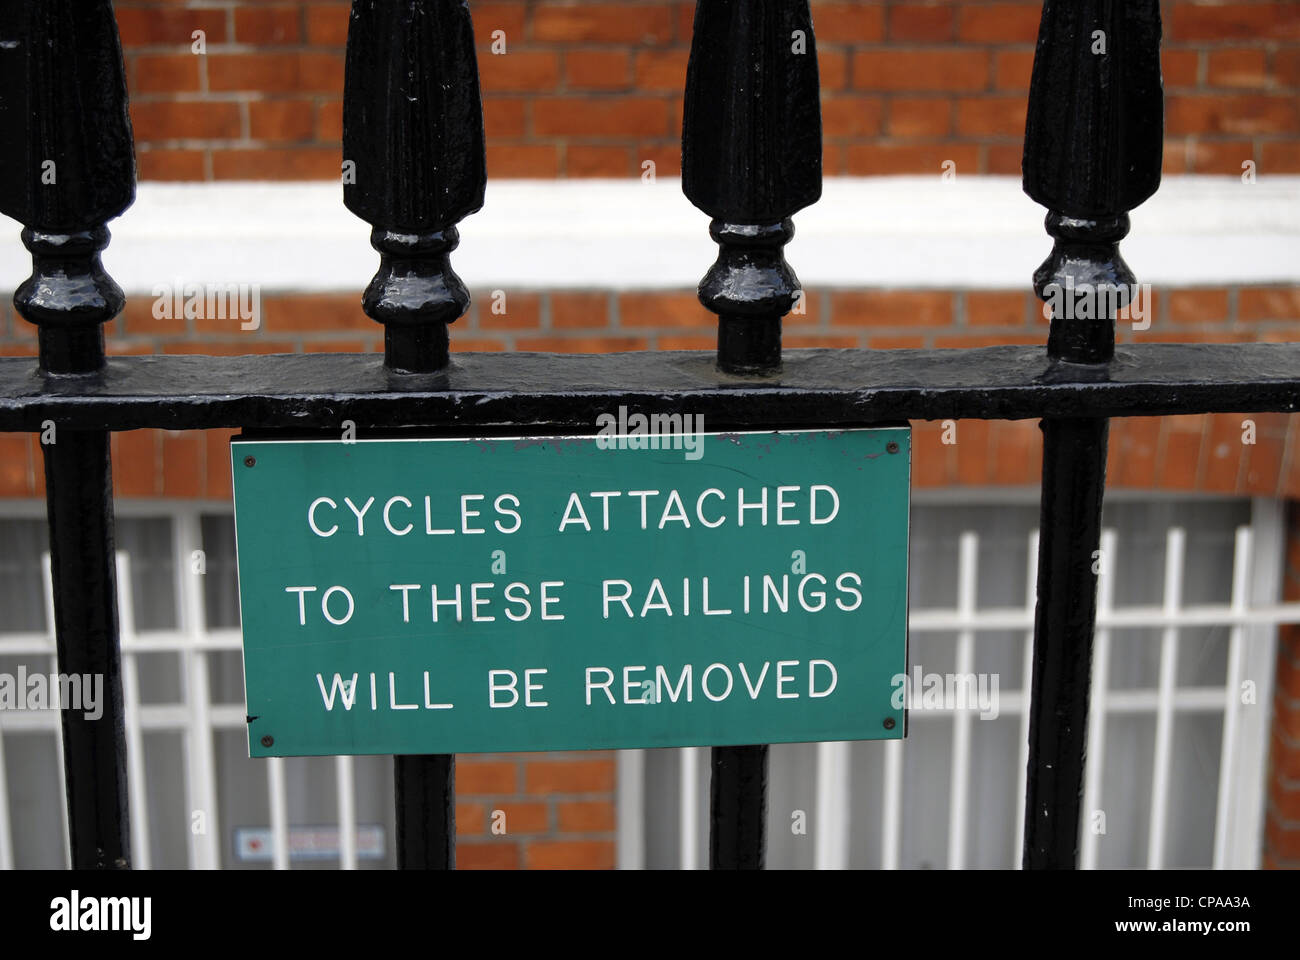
1093	142
426	811
413	167
66	168
751	158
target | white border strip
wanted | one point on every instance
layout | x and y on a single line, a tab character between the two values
902	232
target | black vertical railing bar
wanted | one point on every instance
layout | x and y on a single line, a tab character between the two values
413	167
1093	143
751	158
66	169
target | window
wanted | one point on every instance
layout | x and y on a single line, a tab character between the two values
948	796
951	794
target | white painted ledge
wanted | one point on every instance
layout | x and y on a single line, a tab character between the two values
902	232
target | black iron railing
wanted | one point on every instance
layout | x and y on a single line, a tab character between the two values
414	167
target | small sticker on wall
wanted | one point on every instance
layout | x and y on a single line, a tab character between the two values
257	845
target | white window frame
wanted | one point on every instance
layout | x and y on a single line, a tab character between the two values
1253	614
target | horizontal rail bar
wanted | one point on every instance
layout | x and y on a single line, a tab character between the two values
521	390
929	620
1137	616
156	718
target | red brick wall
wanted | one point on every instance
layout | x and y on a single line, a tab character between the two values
535	811
594	88
1202	453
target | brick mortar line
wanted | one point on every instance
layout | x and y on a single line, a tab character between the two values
1281	822
1287	743
199	97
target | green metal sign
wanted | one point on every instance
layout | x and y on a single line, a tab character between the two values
571	593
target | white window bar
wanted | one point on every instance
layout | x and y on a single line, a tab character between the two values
831	828
1237	845
278	798
48	646
135	778
631	809
6	834
1232	696
1026	687
689	803
891	818
345	787
959	785
1175	547
200	767
1099	708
